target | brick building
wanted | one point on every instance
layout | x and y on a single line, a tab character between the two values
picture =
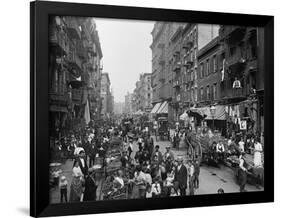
74	72
106	96
142	95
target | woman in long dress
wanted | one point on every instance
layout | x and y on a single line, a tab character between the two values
76	187
257	154
258	165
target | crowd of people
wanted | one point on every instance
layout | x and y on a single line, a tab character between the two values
156	174
145	171
149	172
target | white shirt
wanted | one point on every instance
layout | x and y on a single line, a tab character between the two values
120	180
82	162
148	178
241	146
220	147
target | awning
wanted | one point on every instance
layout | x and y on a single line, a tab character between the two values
219	115
197	111
163	109
155	108
184	116
205	112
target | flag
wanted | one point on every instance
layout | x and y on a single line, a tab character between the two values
222	72
87	113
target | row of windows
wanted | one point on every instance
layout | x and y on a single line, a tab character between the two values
209	66
208	93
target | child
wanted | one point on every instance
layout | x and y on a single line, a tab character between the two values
173	193
63	189
56	175
156	189
148	192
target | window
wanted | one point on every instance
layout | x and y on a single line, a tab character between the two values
215	63
192	95
207	67
201	94
208	93
215	91
194	36
195	95
201	70
148	95
195	54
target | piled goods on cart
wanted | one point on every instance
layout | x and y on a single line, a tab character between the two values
115	186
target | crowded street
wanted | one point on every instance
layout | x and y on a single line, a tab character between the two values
171	115
211	178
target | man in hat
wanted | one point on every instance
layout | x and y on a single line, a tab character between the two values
158	154
168	154
242	172
181	177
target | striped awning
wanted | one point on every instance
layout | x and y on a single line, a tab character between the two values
205	112
163	109
155	108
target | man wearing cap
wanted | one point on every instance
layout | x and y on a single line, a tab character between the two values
82	162
181	176
169	154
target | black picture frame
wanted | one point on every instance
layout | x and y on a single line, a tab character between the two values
39	137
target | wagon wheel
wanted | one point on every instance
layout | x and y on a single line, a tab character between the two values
190	151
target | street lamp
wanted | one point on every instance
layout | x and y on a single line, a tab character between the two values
213	112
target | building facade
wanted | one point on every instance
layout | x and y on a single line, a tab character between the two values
128	103
230	80
174	64
106	95
142	95
74	72
242	84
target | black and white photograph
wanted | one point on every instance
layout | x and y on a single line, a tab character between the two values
151	109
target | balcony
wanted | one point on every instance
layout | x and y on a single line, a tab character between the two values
58	39
90	48
74	62
73	28
252	65
90	67
58	98
176	84
161	59
77	96
236	63
188	44
81	51
177	67
188	62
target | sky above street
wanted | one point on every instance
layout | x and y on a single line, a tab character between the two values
126	52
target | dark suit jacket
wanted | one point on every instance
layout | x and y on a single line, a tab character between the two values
181	176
